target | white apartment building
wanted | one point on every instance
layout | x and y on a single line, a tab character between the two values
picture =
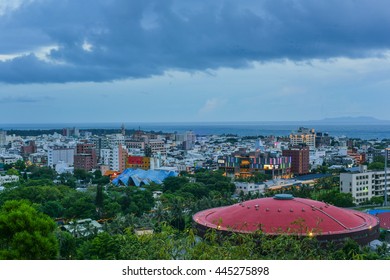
115	139
105	156
115	158
58	154
364	185
9	159
246	188
8	179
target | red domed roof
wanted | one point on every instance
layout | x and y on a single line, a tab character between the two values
284	213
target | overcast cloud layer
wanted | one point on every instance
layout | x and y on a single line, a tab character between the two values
50	41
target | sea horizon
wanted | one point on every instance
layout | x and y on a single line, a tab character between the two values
240	128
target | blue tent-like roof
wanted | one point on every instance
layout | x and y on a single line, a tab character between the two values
140	176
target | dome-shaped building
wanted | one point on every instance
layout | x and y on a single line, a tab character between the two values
285	214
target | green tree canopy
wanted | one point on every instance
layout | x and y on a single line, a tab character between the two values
26	233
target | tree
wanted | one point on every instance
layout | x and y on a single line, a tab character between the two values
26	233
44	172
99	200
174	183
81	174
12	171
376	166
20	165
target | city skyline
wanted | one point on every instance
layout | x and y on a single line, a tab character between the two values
193	61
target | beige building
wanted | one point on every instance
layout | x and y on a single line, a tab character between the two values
303	136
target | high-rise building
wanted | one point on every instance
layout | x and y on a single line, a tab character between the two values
118	158
58	154
300	159
70	131
85	157
115	158
303	136
186	140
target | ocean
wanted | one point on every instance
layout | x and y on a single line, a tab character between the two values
366	132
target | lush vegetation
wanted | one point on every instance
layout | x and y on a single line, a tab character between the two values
326	189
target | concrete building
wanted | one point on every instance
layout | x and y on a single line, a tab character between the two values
115	139
39	159
186	140
9	159
244	164
157	147
303	136
145	163
62	167
252	188
323	139
364	184
28	149
115	158
58	154
299	159
118	158
70	132
85	157
105	155
135	144
8	179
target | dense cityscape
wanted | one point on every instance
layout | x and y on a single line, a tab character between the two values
132	194
194	138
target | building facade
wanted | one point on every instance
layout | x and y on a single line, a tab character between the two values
58	154
300	159
246	165
85	157
364	185
304	136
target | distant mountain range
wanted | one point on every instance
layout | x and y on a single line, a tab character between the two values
350	121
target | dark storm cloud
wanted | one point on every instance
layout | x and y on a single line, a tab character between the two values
100	40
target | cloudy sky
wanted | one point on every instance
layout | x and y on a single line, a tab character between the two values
193	60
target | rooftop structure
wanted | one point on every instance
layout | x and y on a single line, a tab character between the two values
285	214
140	177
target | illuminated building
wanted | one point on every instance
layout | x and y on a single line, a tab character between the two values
246	164
299	159
303	136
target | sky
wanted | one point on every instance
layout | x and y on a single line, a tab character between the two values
95	61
